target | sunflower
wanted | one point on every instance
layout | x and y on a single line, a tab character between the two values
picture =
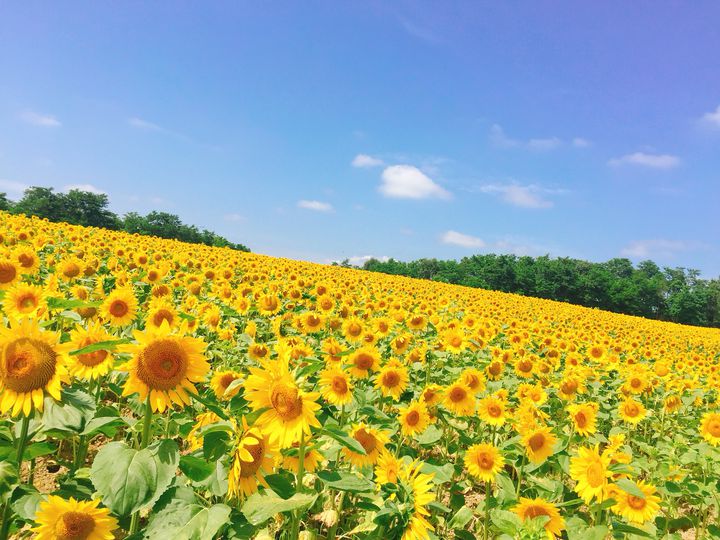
373	442
90	365
453	340
432	394
164	366
363	361
387	469
637	509
494	370
590	470
484	461
353	329
492	410
632	411
419	486
24	300
9	273
532	508
69	268
195	438
258	352
310	322
252	459
313	459
392	379
60	519
32	362
414	419
584	417
710	428
289	411
119	307
539	443
28	260
220	382
459	399
474	379
335	386
161	311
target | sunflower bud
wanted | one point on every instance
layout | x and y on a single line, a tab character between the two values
328	517
309	481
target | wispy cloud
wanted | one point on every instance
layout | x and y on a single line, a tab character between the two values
408	182
657	248
463	240
359	260
144	124
712	118
524	196
419	31
364	161
37	119
84	187
13	188
500	139
234	218
317	206
653	161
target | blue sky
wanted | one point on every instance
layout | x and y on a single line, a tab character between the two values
332	130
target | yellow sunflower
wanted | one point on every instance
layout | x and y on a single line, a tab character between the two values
161	311
584	417
253	459
194	438
60	519
710	428
9	273
419	486
539	443
392	379
590	470
373	442
164	366
459	399
532	508
474	379
119	307
432	394
363	361
90	365
313	459
32	361
492	410
414	419
289	411
28	260
636	509
24	300
387	469
336	387
484	461
632	411
220	382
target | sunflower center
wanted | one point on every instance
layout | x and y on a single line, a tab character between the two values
457	394
25	260
581	419
412	418
495	369
313	321
162	364
74	526
354	329
631	410
636	503
92	359
71	270
162	315
569	387
7	272
366	440
227	380
714	427
535	511
257	451
525	366
595	474
28	364
536	442
119	308
286	401
494	410
391	379
363	361
27	302
485	462
456	341
339	385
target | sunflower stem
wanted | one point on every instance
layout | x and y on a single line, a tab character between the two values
486	528
520	474
147	424
300	487
21	442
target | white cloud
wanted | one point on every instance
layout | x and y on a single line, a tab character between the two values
408	182
144	124
654	161
84	187
317	206
459	239
359	260
712	118
544	144
579	142
500	139
364	161
659	248
37	119
530	196
12	188
236	218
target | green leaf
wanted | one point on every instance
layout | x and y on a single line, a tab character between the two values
215	445
281	484
101	346
8	478
505	521
182	521
71	413
506	488
461	518
342	437
38	449
26	506
630	487
441	474
629	529
103	424
195	468
346	481
70	303
430	436
260	507
130	479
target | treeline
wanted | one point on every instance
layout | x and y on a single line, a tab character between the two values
671	294
91	209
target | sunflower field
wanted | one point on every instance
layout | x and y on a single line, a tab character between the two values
155	389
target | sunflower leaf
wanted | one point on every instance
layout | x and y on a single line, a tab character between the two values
261	507
101	346
630	487
345	440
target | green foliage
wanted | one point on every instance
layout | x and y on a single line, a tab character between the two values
645	290
91	209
